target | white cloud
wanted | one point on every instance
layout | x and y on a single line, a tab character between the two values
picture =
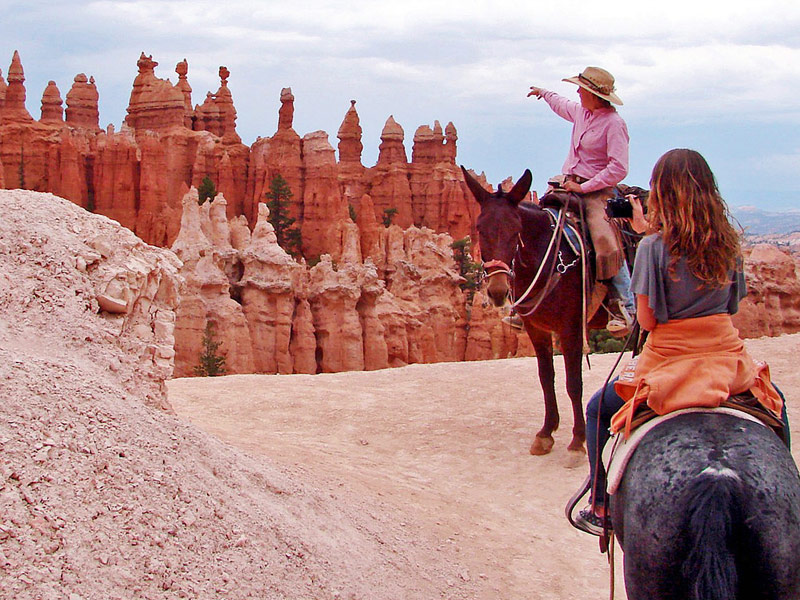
783	169
686	63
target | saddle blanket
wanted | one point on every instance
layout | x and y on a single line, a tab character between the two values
618	451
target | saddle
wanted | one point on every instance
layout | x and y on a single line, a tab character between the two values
745	403
618	450
573	204
556	200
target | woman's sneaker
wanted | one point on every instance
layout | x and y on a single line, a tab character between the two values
590	522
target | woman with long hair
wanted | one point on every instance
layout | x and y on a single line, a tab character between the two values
688	281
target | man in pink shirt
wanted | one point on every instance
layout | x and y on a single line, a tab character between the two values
596	162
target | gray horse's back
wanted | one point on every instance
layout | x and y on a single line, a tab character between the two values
714	496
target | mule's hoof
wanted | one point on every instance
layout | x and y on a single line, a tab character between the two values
576	458
576	446
541	445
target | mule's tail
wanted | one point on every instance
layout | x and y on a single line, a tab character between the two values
713	511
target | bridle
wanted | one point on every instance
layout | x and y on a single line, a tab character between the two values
555	242
553	256
498	267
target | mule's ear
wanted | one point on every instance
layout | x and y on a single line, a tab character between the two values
476	188
521	188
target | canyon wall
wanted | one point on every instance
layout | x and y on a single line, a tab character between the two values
139	175
376	296
374	284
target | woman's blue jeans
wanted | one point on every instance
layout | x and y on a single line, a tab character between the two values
602	406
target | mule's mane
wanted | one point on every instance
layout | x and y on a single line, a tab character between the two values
530	213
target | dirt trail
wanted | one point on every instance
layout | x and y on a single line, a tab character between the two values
443	447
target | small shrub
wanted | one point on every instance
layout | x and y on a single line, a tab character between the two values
602	342
206	191
388	215
286	231
468	269
211	363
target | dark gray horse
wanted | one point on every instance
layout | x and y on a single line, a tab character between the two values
709	508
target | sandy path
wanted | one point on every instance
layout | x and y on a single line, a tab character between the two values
446	446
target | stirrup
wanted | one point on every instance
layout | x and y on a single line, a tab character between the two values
576	498
620	325
514	321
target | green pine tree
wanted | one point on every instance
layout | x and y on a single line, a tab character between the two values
468	269
278	198
602	342
21	170
206	191
211	363
388	215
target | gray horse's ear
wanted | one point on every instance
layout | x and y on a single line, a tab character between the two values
521	188
476	188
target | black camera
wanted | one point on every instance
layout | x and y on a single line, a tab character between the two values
619	207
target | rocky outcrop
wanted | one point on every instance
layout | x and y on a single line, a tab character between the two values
351	172
273	314
52	104
91	283
440	201
325	211
155	104
207	295
14	110
267	285
772	305
282	155
388	181
139	174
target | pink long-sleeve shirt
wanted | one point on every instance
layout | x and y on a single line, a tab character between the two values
599	147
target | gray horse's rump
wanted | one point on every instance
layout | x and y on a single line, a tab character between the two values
709	501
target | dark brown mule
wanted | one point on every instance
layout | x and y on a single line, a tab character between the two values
518	235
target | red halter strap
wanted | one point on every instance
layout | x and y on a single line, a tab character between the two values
499	267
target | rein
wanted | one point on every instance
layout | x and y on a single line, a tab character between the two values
552	280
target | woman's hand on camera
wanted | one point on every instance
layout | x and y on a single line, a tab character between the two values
638	221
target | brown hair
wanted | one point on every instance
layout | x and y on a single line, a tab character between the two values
686	207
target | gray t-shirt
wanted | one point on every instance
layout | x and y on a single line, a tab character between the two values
682	295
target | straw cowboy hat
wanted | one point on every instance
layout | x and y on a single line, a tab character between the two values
598	81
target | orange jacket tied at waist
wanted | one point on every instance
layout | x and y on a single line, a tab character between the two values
688	363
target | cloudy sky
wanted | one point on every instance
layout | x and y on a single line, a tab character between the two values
722	77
